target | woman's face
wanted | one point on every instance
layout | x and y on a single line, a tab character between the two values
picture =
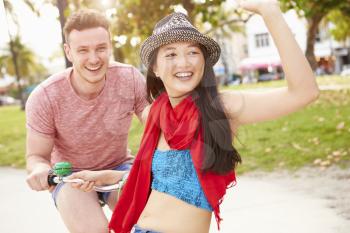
180	66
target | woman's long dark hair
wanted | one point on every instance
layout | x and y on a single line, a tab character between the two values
220	155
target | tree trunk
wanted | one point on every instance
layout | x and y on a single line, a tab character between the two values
313	23
18	74
62	6
118	54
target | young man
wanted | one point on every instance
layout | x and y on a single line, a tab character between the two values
82	115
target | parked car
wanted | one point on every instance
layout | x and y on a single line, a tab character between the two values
7	100
269	76
233	79
266	77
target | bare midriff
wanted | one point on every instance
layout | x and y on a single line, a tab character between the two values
167	214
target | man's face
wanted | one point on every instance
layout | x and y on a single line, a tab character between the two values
89	51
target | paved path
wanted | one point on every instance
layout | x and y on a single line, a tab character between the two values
255	206
250	207
24	210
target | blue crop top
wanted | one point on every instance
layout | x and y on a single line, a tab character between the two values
174	173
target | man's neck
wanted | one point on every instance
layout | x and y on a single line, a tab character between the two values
85	89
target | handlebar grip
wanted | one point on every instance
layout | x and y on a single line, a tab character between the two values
51	180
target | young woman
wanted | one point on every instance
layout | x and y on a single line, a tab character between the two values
186	159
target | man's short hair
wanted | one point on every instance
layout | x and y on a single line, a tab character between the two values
85	19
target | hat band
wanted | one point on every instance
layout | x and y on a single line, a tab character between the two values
176	28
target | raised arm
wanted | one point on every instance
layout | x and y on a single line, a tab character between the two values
251	107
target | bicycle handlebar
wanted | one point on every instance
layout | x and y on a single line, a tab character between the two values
62	169
54	180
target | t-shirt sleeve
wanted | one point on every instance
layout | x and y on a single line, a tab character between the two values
140	93
39	114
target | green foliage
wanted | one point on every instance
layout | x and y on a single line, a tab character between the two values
314	11
28	66
337	11
135	19
341	21
310	8
17	59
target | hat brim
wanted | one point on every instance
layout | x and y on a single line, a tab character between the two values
179	35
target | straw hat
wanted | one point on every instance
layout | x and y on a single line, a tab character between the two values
174	28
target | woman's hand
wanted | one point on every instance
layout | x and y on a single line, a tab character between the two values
260	7
95	178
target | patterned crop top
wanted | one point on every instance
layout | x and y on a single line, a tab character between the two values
174	174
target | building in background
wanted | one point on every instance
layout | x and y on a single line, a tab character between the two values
332	56
254	55
233	50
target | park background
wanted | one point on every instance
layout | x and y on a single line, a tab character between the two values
316	138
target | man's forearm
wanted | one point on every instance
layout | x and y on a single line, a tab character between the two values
34	161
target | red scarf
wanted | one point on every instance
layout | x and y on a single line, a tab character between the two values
182	130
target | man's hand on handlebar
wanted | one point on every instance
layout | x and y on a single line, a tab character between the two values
37	178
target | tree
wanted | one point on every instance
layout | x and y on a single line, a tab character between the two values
340	18
19	60
63	11
11	15
133	21
2	66
28	68
314	11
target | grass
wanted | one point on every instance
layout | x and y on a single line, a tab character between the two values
12	136
319	132
321	80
